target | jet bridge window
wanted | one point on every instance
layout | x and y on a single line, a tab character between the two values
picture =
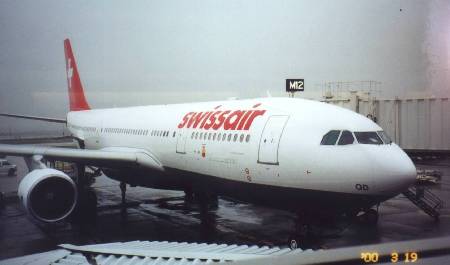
385	137
346	138
368	138
330	137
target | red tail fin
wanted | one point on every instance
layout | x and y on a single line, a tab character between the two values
76	93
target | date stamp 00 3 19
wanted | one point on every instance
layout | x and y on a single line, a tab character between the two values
395	257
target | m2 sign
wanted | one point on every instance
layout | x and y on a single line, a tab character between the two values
294	85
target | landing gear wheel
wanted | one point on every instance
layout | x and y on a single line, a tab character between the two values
293	242
370	217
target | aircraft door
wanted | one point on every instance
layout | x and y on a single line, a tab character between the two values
181	141
270	139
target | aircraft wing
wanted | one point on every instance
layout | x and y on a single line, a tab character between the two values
113	157
37	118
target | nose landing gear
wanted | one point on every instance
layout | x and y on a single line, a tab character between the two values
368	217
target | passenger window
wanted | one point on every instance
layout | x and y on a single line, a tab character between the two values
235	137
214	136
247	139
205	136
218	137
229	137
330	137
174	133
192	136
346	138
201	134
209	136
224	137
241	138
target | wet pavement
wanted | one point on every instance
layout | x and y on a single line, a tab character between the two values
164	215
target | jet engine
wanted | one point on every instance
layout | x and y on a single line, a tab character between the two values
48	195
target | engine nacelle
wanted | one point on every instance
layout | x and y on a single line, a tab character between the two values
48	195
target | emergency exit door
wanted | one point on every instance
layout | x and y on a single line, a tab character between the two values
270	139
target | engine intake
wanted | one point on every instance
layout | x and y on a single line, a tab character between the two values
48	195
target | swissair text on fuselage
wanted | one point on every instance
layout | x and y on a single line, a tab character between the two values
215	120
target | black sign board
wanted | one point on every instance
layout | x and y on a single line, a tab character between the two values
294	85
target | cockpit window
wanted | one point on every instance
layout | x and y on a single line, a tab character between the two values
368	138
330	138
346	138
385	137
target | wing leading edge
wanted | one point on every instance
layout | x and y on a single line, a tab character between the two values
33	118
113	157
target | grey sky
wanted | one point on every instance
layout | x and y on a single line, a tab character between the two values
150	52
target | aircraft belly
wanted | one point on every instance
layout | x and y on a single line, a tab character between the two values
287	198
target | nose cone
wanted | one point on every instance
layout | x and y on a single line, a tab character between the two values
396	173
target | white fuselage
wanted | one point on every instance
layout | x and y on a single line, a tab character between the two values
277	149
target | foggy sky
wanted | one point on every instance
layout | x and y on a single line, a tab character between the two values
154	52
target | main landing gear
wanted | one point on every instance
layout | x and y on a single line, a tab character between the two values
86	209
302	231
206	201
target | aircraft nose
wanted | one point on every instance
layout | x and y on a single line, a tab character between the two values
397	172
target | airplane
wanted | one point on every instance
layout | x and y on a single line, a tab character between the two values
287	153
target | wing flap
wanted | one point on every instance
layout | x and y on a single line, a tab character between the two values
109	157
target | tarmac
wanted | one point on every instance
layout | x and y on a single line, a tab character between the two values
161	215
